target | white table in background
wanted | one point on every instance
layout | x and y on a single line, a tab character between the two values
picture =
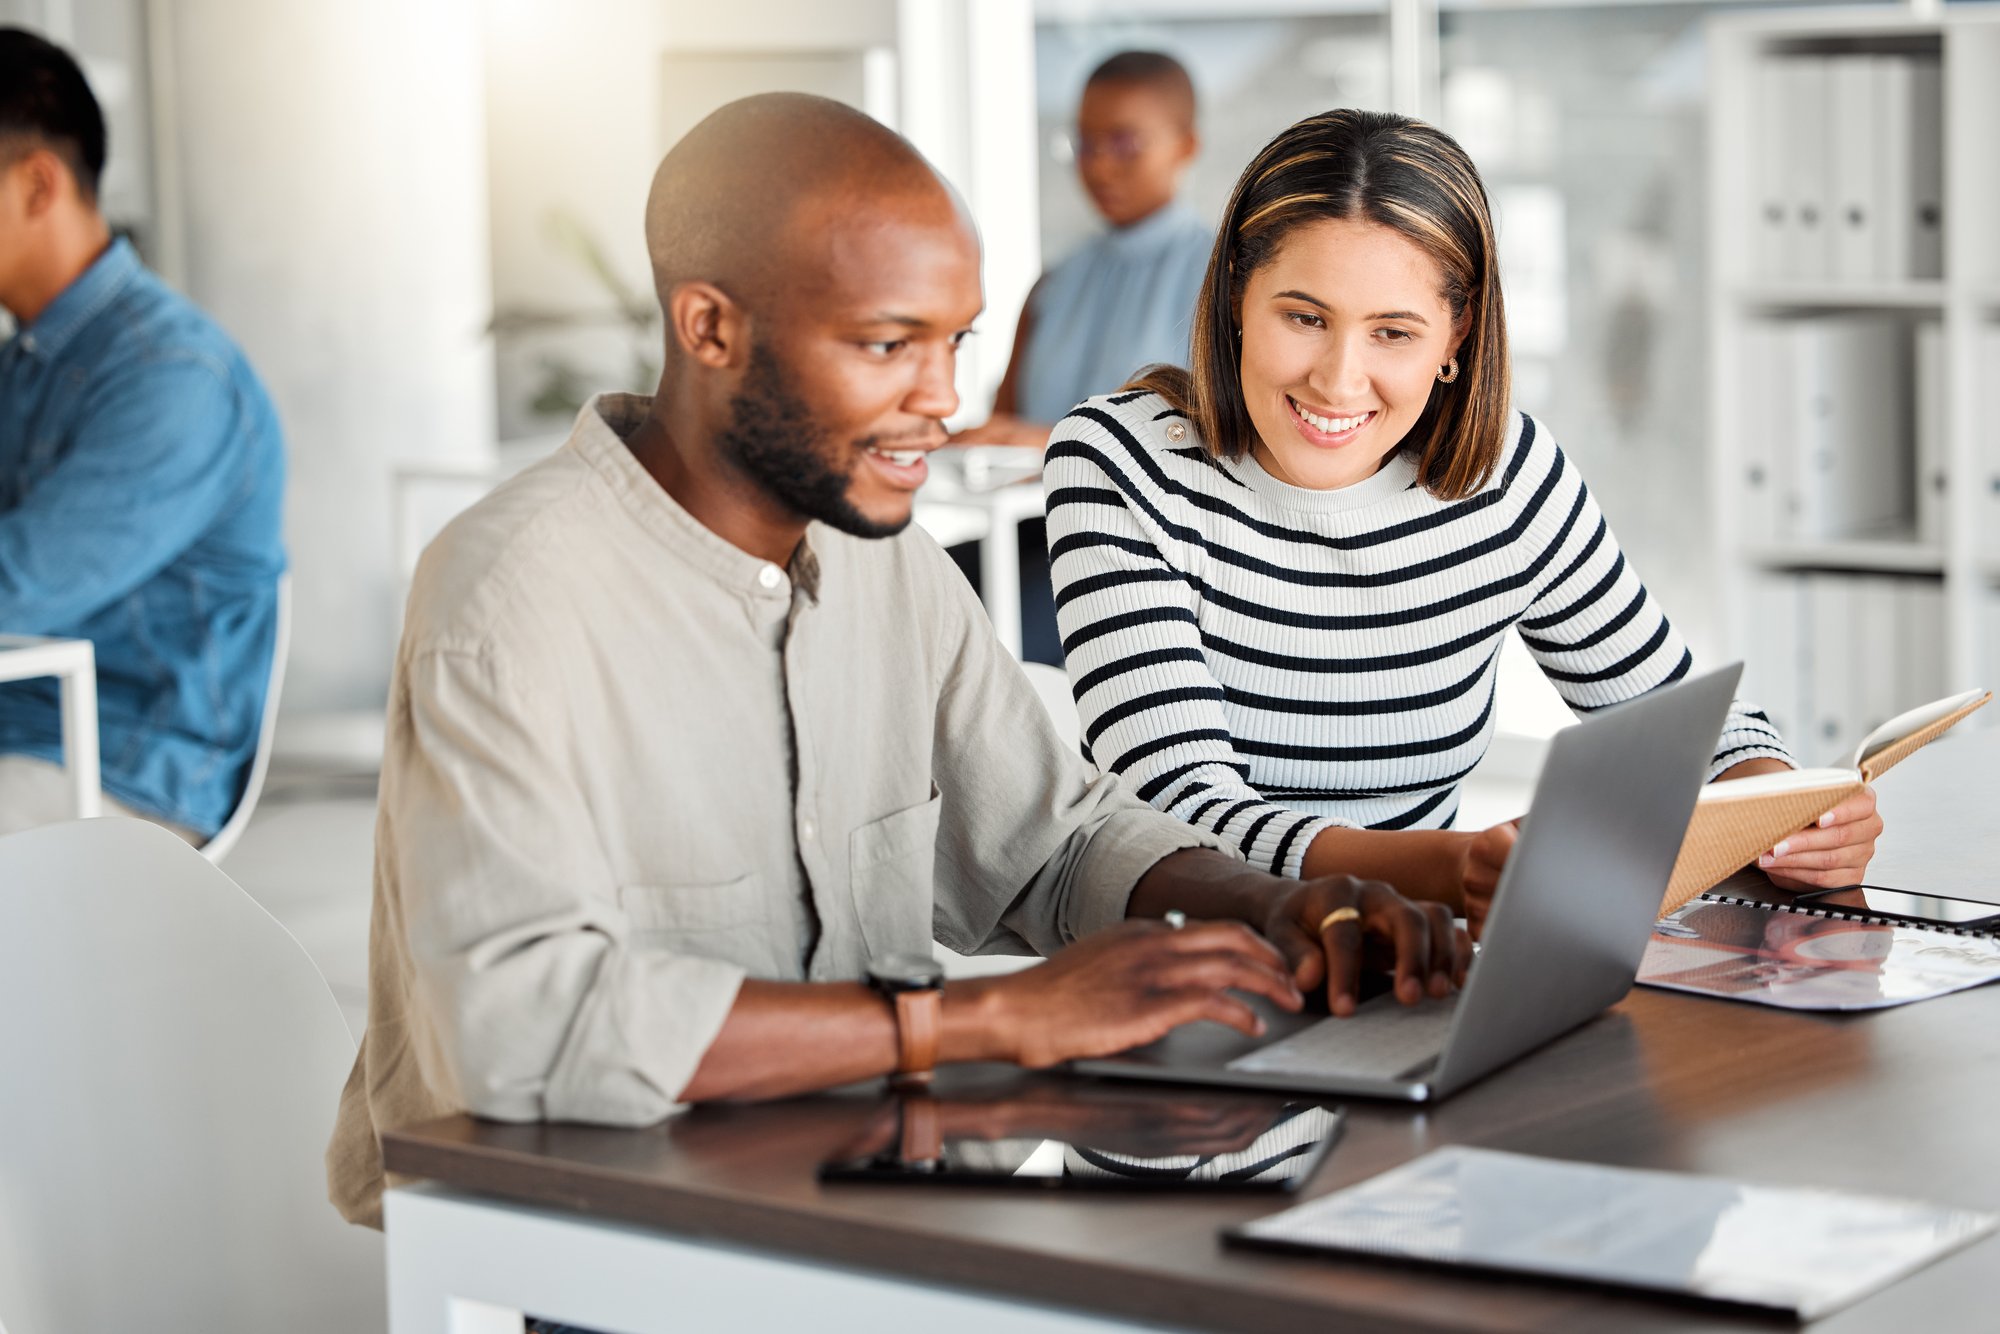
73	662
981	494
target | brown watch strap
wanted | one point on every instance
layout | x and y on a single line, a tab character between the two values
919	1015
922	1138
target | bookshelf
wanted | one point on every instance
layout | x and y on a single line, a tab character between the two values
1780	298
1854	383
1882	556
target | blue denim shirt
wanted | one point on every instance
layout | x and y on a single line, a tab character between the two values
142	478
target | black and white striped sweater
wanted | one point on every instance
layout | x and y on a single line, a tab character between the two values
1267	662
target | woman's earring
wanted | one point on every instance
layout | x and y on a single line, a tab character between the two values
1448	372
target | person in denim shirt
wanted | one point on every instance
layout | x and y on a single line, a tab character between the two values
141	485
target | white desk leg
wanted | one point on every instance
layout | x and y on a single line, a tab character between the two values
1000	580
79	733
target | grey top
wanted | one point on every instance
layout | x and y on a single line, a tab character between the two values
629	765
1116	305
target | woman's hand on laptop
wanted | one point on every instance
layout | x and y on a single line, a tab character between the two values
1413	939
1485	858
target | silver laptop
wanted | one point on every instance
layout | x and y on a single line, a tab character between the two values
1570	921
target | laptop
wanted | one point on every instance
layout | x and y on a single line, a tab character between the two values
1570	921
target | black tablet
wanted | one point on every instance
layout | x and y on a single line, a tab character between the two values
1130	1140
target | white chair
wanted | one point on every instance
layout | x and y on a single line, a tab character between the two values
173	1064
73	662
260	764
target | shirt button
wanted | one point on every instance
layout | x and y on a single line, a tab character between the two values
806	830
769	576
1176	432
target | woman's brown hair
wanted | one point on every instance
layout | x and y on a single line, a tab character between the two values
1379	168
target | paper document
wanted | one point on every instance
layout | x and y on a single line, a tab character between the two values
1804	1252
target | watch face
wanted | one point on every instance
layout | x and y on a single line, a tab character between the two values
905	971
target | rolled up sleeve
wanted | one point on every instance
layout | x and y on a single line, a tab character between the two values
528	997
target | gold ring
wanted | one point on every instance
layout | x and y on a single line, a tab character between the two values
1339	915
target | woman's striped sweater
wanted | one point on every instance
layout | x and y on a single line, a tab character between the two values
1267	662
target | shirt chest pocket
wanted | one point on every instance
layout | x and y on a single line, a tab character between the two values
891	864
721	920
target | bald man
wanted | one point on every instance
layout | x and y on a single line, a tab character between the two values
695	745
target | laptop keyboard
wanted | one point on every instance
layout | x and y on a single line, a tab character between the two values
1381	1040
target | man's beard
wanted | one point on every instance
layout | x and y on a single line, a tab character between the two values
771	436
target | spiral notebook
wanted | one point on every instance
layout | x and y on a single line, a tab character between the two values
1805	956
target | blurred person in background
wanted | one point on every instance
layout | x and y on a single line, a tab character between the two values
1124	300
141	484
1120	303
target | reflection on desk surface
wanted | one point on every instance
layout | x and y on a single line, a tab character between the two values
1087	1136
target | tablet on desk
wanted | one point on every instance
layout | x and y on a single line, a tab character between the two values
1904	906
1093	1139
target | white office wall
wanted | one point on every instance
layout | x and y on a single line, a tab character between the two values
968	103
330	169
800	25
558	157
572	96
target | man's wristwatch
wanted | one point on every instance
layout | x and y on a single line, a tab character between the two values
913	984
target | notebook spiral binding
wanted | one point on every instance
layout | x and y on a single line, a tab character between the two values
1845	915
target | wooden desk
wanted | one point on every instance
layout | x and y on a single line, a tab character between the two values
734	1233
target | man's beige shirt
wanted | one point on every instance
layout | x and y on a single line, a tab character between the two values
629	765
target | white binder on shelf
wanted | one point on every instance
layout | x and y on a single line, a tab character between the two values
1854	154
1909	92
1829	683
1853	464
1986	427
1808	191
1989	634
1920	657
1766	429
1876	648
1774	655
1769	193
1933	480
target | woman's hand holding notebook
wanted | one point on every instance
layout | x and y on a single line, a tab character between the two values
1737	820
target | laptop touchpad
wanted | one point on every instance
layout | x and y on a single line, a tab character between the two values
1381	1040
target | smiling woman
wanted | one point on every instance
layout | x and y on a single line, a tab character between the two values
1284	575
1344	332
